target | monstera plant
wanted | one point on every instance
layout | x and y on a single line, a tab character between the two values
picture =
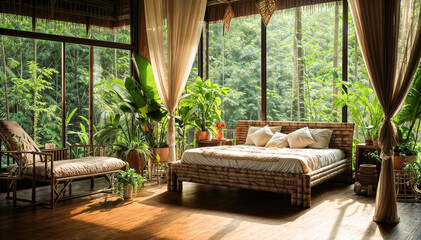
141	99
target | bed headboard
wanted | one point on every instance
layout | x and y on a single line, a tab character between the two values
342	135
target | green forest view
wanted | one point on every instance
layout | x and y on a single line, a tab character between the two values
304	72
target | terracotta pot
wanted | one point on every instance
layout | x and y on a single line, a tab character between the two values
375	142
202	135
399	162
136	162
163	155
220	134
368	142
128	192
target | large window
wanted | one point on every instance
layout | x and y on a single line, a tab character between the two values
234	60
304	64
34	79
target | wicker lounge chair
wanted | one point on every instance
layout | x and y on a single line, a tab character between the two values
51	165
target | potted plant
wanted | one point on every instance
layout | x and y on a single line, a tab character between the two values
141	99
127	182
123	134
204	97
220	132
409	122
403	155
162	171
414	167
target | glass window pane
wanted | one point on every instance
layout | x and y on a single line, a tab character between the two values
235	62
304	39
109	64
77	93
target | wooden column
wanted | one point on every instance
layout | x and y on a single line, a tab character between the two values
207	50
134	29
263	70
63	95
200	56
91	95
345	55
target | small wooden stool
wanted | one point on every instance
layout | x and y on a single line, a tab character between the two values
366	179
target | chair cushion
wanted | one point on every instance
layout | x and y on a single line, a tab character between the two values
7	129
76	167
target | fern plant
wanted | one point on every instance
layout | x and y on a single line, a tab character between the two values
125	178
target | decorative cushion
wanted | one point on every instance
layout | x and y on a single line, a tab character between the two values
279	140
253	129
7	129
322	138
261	136
300	138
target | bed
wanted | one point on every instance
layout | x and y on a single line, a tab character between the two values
287	171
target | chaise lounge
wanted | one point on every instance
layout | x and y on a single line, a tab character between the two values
51	166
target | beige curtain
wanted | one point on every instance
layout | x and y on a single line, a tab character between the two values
173	29
389	36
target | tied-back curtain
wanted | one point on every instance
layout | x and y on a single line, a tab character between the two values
173	29
389	36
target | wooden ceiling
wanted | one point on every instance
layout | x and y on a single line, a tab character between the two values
216	8
116	13
101	13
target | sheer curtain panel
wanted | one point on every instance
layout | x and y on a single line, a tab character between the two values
173	29
389	36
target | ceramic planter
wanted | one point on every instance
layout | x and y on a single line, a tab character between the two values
163	155
368	142
220	134
399	162
136	162
128	192
202	135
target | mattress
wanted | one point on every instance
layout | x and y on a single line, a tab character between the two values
302	160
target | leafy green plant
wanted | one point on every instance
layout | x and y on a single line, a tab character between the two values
124	135
204	98
414	167
141	99
411	114
404	150
161	166
374	155
364	108
125	178
183	123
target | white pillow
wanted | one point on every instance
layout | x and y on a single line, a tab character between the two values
261	136
322	138
279	140
300	138
253	129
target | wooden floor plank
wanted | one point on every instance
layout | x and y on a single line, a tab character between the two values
205	212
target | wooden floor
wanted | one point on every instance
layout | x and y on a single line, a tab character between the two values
206	212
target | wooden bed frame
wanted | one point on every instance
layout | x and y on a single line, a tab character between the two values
298	185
